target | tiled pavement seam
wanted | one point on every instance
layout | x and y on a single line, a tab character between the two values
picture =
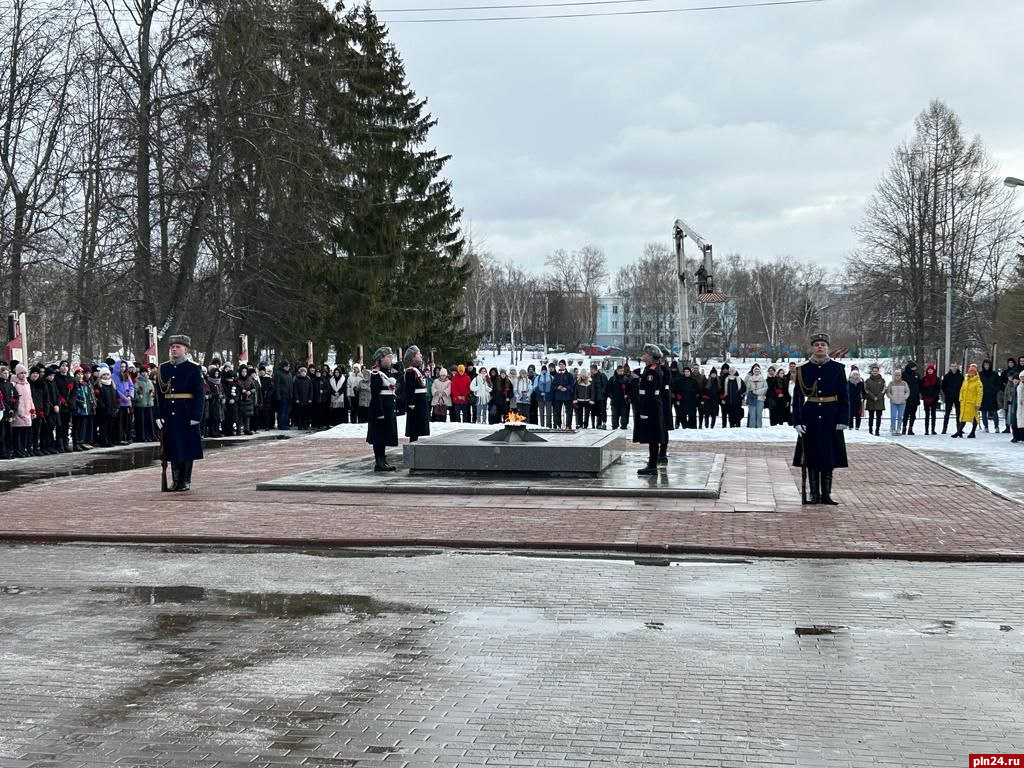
894	503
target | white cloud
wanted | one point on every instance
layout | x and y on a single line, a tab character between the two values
766	129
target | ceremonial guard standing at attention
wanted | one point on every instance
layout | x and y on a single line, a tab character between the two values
180	397
382	422
417	398
649	426
821	412
666	406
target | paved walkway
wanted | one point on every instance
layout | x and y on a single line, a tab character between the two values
894	503
165	658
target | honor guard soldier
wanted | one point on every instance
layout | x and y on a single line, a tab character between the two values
180	402
382	424
821	412
649	427
666	405
417	398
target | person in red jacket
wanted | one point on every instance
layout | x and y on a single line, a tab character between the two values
460	395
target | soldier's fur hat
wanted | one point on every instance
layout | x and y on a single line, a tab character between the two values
820	337
180	338
381	353
410	352
653	350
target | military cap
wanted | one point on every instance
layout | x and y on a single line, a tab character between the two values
180	338
820	337
653	350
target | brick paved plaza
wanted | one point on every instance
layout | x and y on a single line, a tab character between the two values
894	503
475	630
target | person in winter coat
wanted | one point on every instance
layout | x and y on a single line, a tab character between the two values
43	403
8	407
232	398
931	390
216	401
142	402
584	400
913	380
1010	399
65	382
441	397
302	399
542	394
1018	421
523	391
417	396
733	396
618	389
460	395
952	381
971	395
125	391
710	394
267	407
688	398
874	399
779	384
338	384
352	384
856	387
989	394
382	424
363	395
599	382
675	377
106	409
898	393
84	411
757	390
481	389
24	414
563	387
649	427
284	391
723	379
248	397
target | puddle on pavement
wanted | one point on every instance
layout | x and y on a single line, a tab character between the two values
268	604
17	475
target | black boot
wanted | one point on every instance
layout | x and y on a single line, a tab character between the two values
175	477
974	429
186	476
826	488
814	478
650	469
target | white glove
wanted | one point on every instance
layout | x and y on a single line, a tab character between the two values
841	427
159	423
193	422
800	429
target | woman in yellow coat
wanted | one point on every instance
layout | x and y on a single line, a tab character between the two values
970	401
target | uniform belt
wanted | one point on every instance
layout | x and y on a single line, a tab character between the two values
833	399
386	392
420	391
181	396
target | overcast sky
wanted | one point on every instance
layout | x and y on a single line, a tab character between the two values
765	129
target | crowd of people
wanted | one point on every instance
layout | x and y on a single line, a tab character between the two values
60	408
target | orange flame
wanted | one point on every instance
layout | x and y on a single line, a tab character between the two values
514	418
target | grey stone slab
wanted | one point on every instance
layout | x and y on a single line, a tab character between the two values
579	452
687	475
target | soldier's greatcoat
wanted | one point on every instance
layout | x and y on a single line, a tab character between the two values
821	400
180	396
382	426
649	427
417	403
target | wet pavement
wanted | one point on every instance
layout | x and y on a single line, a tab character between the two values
232	656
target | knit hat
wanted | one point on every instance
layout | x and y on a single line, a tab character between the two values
461	368
972	367
19	368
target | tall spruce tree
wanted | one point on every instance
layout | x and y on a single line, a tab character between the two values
400	270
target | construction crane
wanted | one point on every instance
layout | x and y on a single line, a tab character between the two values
705	281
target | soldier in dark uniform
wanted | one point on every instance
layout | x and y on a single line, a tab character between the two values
180	401
417	397
382	422
649	426
666	405
821	412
